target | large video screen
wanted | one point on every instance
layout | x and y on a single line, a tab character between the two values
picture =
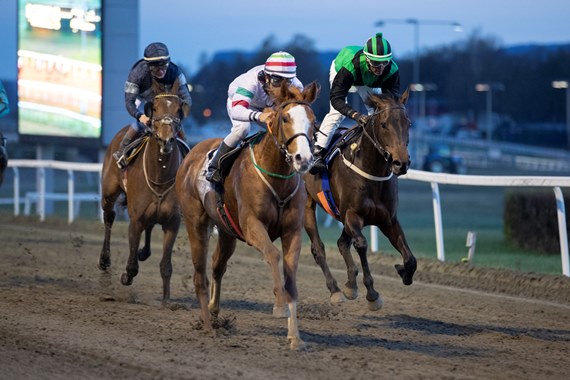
59	68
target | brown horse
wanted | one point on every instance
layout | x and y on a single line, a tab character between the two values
364	189
264	199
3	157
151	175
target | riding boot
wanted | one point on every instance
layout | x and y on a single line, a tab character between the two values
213	174
319	164
119	155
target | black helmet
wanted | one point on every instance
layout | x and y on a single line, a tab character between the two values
156	52
378	49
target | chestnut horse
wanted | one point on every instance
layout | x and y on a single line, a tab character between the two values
151	175
364	188
264	196
3	157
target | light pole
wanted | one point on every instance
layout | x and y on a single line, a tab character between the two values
488	88
563	84
416	24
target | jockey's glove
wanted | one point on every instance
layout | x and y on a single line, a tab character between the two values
362	120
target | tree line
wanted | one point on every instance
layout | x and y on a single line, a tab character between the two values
521	77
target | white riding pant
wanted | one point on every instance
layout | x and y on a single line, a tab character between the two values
239	131
333	119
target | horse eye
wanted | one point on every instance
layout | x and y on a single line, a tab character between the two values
286	118
384	125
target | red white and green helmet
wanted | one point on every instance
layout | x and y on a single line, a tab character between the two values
378	49
281	64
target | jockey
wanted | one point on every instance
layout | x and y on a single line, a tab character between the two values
370	70
248	95
138	89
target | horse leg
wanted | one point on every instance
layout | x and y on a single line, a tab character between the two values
132	269
144	252
256	235
393	231
170	232
224	250
108	204
353	226
318	251
291	244
350	287
199	234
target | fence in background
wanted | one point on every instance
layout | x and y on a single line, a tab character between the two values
40	195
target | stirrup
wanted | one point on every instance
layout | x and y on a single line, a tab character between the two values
214	176
121	160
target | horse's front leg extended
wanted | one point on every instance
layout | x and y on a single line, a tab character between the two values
107	204
170	233
135	231
393	231
318	250
353	226
256	236
291	244
144	252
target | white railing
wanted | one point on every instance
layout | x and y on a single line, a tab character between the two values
40	195
481	180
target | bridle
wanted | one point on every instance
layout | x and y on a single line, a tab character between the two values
284	147
168	119
374	140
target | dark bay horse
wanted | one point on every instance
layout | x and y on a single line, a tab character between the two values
148	182
264	196
3	157
364	188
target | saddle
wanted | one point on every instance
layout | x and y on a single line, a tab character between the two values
135	147
340	139
228	159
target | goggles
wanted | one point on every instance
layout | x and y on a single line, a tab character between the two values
377	64
276	81
158	66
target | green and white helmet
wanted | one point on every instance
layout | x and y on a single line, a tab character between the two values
378	49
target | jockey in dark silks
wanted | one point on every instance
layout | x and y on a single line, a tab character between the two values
370	69
138	89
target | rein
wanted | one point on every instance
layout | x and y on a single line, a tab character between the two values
374	140
283	150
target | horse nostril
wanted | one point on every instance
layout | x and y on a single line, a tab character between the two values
298	158
397	164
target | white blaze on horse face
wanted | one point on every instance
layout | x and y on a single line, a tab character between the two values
301	124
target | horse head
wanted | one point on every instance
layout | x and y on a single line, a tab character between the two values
166	112
292	123
390	127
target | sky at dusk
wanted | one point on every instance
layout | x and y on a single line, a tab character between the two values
194	29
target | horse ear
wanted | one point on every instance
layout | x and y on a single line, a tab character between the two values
184	110
405	96
175	86
311	92
148	109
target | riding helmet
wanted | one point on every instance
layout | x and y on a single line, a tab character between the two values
156	52
281	64
377	48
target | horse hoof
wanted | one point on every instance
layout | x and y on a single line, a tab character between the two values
126	280
350	293
296	344
143	254
376	305
280	311
338	298
407	274
104	264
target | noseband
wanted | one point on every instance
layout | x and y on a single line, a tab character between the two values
166	118
383	152
285	146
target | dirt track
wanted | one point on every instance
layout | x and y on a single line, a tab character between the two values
60	317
